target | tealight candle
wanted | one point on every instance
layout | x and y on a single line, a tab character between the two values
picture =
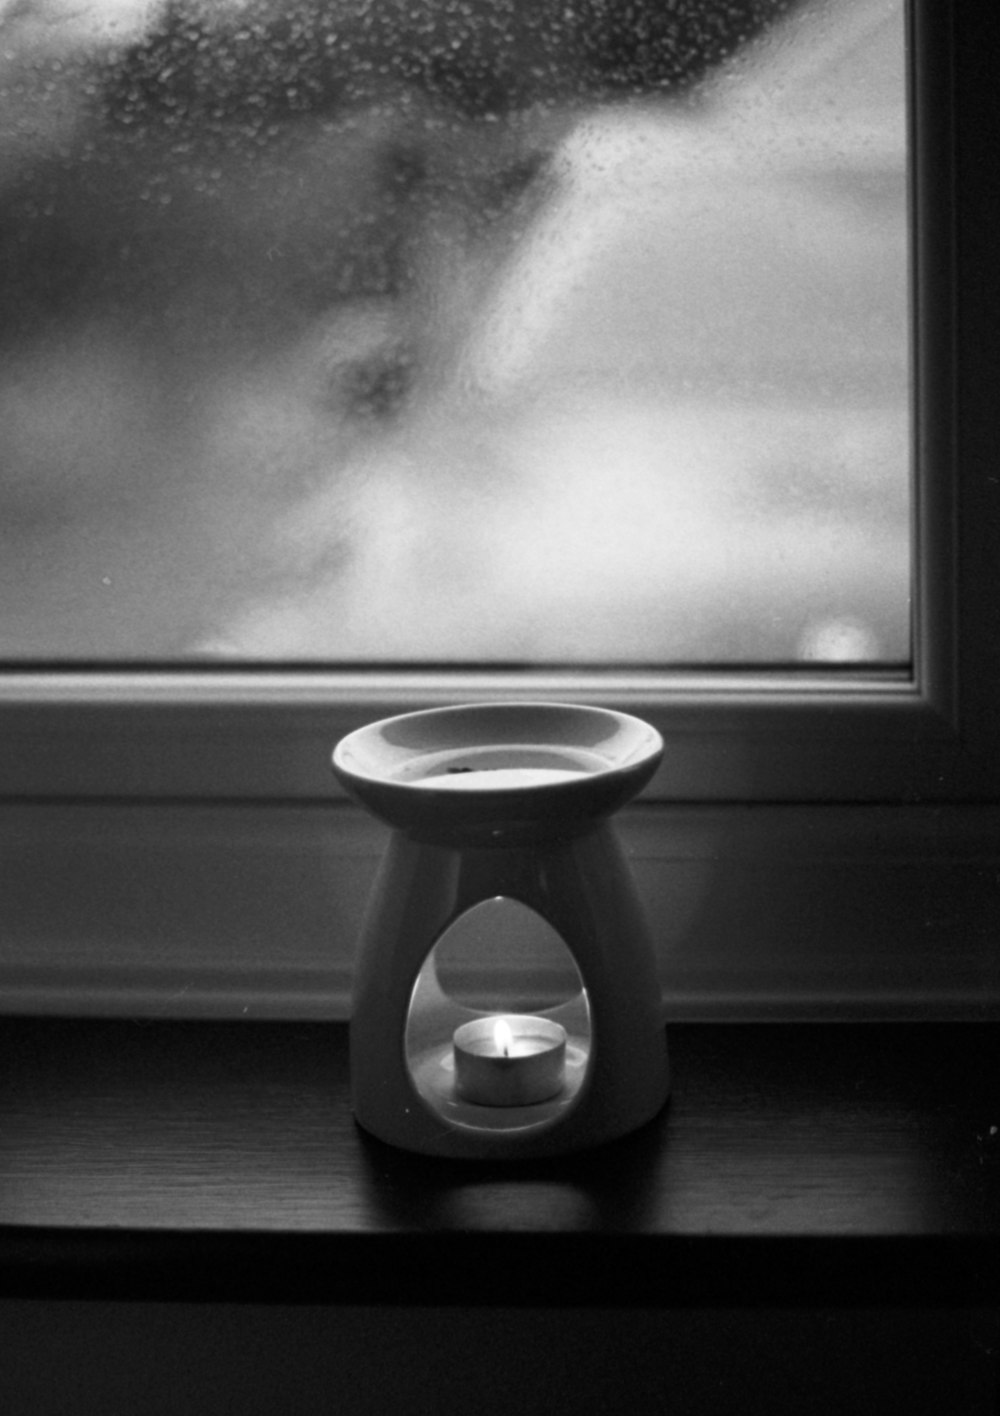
510	1059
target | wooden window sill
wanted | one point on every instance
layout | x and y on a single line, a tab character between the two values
795	1164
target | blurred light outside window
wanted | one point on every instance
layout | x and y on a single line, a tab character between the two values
367	333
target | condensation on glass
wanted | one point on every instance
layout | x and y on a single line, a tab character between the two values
456	330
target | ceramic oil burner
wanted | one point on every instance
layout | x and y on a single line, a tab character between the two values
514	801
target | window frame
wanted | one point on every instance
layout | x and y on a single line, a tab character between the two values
737	735
732	735
843	769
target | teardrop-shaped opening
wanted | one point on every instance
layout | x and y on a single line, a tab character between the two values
503	949
498	1033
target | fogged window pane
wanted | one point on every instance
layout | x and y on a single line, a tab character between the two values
453	330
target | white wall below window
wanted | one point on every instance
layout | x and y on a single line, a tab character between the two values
757	911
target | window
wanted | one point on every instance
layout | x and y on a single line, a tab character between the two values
816	839
532	338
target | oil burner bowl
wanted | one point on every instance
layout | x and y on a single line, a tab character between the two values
486	771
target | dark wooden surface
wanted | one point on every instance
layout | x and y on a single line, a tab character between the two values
795	1164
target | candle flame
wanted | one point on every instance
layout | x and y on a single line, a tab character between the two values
502	1036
